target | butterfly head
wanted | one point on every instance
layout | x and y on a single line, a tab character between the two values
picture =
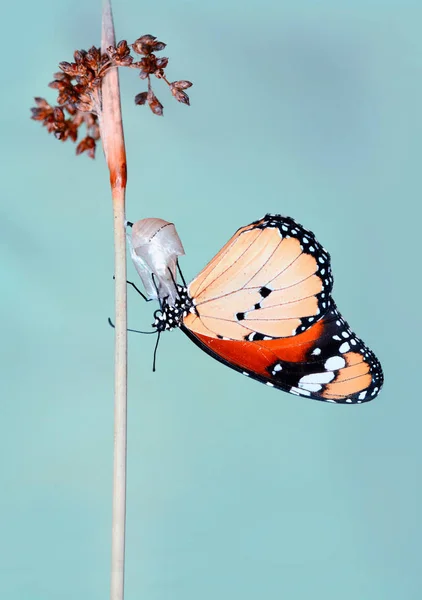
170	315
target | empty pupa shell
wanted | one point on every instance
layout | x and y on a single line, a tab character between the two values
154	247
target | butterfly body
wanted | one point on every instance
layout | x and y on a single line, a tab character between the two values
263	307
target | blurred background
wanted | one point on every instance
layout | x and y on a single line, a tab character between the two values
309	109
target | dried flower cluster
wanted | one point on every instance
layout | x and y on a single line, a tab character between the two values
79	89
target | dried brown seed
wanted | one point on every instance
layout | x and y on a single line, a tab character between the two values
58	85
72	130
182	84
87	145
154	104
40	114
122	48
62	77
147	44
79	56
70	69
41	102
140	99
180	95
143	44
58	114
162	62
158	46
147	39
92	57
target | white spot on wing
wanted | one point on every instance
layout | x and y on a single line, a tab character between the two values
298	392
324	377
345	347
334	362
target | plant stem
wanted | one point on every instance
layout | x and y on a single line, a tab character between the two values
111	129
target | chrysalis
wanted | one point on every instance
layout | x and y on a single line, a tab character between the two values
154	247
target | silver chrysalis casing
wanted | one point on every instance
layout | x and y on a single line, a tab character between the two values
154	247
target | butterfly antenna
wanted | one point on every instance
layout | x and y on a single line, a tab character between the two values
155	352
181	274
110	322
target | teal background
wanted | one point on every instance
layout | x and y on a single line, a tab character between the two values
311	109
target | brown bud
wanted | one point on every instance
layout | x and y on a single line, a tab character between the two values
40	114
122	48
58	85
148	66
92	57
147	44
62	76
86	145
180	95
158	46
162	62
72	131
41	103
79	56
182	84
154	104
140	99
68	68
58	114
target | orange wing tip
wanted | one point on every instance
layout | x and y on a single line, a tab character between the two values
312	364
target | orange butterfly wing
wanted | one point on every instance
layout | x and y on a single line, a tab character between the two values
326	362
263	307
271	280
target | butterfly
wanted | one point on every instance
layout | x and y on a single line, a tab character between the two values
263	306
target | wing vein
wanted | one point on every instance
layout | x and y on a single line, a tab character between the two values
230	266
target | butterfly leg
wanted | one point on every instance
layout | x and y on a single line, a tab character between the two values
135	287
